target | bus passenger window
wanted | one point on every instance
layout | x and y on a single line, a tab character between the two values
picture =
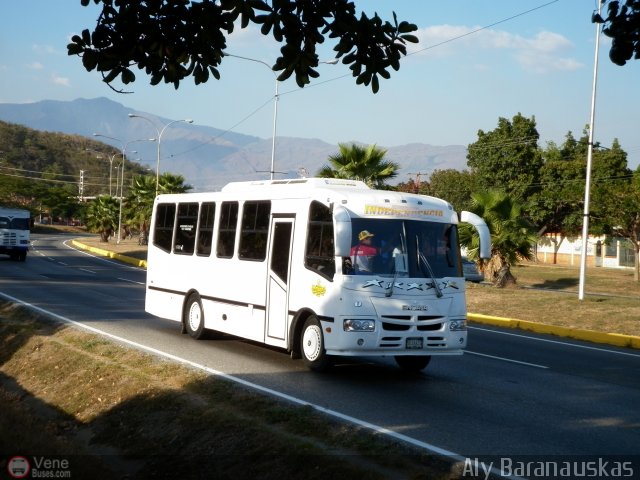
186	228
205	228
281	249
163	228
320	251
254	230
227	229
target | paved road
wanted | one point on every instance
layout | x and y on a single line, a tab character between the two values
511	394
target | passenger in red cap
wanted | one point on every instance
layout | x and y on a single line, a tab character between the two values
362	254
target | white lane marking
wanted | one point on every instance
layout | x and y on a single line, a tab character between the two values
575	345
130	281
87	270
506	359
333	413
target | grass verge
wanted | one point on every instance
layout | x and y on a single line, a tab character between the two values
121	412
549	295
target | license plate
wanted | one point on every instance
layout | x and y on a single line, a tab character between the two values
414	343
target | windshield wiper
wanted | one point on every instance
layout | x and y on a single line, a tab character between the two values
422	260
389	291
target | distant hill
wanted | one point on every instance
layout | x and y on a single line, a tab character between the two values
208	157
30	159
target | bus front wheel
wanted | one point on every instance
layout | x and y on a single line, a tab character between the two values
312	346
193	317
413	364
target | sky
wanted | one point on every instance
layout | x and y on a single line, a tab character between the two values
477	61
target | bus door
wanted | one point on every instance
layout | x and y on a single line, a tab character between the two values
279	277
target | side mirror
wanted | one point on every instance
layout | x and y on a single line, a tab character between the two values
483	232
342	231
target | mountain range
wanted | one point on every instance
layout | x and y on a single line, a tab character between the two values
208	157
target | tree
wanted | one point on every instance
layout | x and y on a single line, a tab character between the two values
512	235
139	203
557	207
454	186
610	169
60	202
175	39
622	207
360	163
172	183
622	24
102	216
507	157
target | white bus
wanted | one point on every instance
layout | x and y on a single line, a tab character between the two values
278	262
15	227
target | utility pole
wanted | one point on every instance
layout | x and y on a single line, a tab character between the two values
416	181
81	185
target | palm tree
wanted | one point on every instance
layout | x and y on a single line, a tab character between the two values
171	183
102	216
140	205
512	235
360	163
140	200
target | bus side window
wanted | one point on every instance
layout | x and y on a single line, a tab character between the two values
254	230
320	251
186	228
227	229
163	228
205	228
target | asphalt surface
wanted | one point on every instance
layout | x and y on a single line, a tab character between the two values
512	393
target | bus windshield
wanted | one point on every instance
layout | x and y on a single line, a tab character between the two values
404	248
14	223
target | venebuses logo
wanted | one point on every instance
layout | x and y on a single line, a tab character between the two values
18	467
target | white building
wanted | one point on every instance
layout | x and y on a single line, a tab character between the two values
602	251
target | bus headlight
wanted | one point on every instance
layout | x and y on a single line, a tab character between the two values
457	325
359	325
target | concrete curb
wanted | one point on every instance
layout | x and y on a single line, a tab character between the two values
136	262
615	339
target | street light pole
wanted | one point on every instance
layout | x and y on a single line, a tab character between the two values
159	133
110	172
275	108
124	149
587	188
110	165
276	97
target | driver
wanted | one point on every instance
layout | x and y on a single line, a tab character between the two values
363	253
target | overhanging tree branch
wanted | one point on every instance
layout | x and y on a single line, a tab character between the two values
174	39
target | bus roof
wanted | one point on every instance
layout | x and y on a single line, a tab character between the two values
305	182
354	195
15	212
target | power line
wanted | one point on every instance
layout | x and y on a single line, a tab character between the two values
50	180
52	174
483	28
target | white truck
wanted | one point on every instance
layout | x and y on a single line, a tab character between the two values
14	232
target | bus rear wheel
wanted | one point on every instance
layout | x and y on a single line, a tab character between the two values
312	346
413	364
193	317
